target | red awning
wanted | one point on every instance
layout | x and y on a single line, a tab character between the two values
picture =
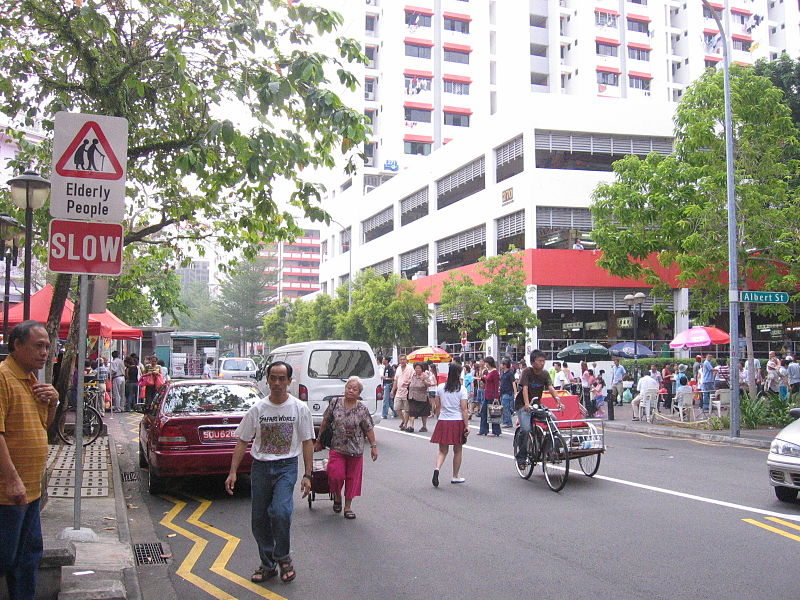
608	41
426	139
605	69
714	58
457	47
457	16
418	42
119	329
711	31
717	6
416	73
458	110
642	18
419	105
740	11
40	310
741	37
458	78
608	11
419	9
639	46
640	75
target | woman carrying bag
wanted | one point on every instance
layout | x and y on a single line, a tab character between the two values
452	425
491	395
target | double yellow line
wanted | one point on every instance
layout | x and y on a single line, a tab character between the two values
220	564
773	529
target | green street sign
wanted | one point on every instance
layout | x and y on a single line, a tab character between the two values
764	297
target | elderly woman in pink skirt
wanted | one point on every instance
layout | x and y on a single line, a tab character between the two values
452	425
352	423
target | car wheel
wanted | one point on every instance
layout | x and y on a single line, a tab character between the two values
142	457
786	494
155	484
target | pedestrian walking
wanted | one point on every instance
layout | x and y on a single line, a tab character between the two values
469	381
793	372
208	369
27	408
351	423
452	424
617	375
131	383
117	374
508	387
387	380
402	378
280	429
418	403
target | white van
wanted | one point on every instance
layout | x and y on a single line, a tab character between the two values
321	368
237	368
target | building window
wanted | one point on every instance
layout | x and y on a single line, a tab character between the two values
607	78
378	225
414	207
369	154
642	2
344	240
418	51
743	45
606	49
462	249
456	87
603	19
456	25
385	267
370	86
371	23
414	261
416	19
511	232
638	83
639	26
509	159
558	227
371	52
711	64
638	54
415	85
418	114
461	183
456	56
324	248
456	119
423	148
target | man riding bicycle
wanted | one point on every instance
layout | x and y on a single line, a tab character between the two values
533	382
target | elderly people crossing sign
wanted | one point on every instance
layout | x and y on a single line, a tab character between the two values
88	194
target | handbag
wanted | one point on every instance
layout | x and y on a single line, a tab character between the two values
495	412
326	437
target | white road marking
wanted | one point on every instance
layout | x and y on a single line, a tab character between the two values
641	486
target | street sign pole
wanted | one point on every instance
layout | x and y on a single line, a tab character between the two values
81	353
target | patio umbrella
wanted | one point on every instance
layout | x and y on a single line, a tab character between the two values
429	353
625	350
584	351
700	336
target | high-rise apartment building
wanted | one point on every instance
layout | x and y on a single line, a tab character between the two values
296	265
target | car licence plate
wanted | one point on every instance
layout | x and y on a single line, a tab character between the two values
218	434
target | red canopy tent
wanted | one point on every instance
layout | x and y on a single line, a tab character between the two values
40	309
119	329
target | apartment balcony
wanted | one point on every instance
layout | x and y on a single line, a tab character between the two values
539	36
539	7
540	64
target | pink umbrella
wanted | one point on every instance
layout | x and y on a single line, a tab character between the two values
700	336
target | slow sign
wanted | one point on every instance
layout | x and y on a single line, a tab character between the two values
85	248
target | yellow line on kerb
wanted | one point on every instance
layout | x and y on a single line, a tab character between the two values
199	544
221	562
786	534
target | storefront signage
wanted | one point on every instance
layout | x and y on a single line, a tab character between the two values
769	327
596	325
571	326
625	322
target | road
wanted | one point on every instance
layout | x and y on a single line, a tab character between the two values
664	518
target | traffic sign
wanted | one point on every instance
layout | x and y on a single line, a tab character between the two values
85	248
764	297
90	155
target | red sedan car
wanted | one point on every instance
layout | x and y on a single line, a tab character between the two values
190	429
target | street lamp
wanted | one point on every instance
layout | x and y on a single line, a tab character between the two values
11	236
350	263
29	191
635	304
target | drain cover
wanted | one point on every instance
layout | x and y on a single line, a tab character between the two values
130	476
149	554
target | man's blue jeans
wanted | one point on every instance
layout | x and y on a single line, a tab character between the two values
484	427
271	490
707	389
20	548
507	400
387	401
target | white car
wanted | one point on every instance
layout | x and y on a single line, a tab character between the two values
783	461
237	368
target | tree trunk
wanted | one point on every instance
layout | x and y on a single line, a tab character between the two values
60	292
68	363
748	334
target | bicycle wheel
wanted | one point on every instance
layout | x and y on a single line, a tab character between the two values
589	464
525	468
555	461
92	425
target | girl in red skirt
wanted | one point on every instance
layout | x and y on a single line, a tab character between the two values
452	425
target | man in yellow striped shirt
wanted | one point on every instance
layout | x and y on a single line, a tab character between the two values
27	407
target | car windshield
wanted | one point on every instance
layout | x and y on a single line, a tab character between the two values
340	364
238	364
210	398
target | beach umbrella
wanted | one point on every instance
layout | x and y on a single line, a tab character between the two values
625	350
585	351
700	336
429	354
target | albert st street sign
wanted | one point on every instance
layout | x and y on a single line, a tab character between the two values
764	297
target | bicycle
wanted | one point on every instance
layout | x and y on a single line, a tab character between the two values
93	397
545	444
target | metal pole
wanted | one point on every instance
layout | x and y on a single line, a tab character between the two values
26	297
635	311
10	252
81	357
350	274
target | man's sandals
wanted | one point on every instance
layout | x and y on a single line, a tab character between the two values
263	573
285	567
287	570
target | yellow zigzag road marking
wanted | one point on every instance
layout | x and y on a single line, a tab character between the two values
221	562
185	568
786	534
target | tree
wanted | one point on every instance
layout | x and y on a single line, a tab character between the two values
674	207
276	323
176	71
495	305
244	300
312	320
200	313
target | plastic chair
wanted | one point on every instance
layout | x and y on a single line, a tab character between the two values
648	404
682	404
719	399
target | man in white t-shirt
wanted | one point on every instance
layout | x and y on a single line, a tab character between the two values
646	383
280	428
208	369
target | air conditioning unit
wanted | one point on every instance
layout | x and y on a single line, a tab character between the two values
369	161
420	275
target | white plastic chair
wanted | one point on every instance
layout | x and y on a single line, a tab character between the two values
648	404
719	399
683	404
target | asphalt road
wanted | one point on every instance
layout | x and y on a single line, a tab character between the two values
664	518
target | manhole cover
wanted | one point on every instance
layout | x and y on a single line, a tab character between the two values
148	554
130	476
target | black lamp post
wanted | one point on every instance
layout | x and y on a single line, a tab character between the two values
29	192
11	236
635	304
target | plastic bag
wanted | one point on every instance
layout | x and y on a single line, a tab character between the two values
627	397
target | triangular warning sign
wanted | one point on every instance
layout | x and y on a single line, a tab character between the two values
84	159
